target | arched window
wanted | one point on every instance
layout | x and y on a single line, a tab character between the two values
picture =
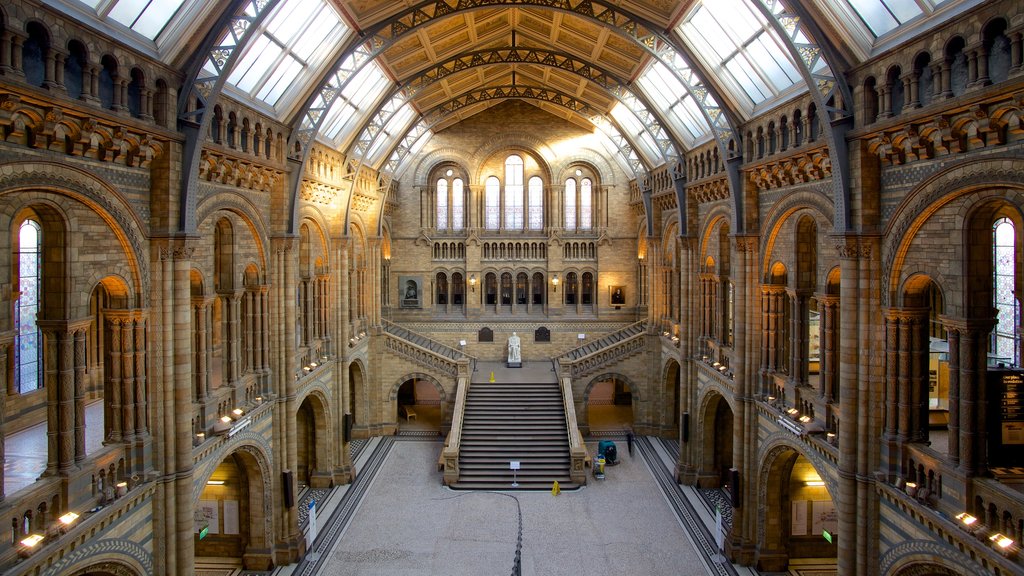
570	204
28	349
492	203
442	204
579	202
536	203
1005	336
586	205
458	205
514	193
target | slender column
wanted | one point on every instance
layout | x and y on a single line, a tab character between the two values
947	78
892	369
17	46
903	419
264	341
128	379
66	395
829	306
114	378
6	342
5	53
80	366
912	86
141	393
953	338
200	348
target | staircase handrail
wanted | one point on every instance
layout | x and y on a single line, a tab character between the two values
604	341
434	346
450	452
577	450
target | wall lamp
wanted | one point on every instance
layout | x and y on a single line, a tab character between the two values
554	282
472	282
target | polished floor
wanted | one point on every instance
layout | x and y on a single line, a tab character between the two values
25	452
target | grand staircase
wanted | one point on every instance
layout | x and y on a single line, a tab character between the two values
519	417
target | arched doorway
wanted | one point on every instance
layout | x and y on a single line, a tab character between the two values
670	417
419	406
799	515
312	433
357	425
231	526
609	406
717	437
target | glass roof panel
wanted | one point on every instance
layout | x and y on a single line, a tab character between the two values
396	126
883	16
637	134
670	96
292	45
737	42
355	103
147	17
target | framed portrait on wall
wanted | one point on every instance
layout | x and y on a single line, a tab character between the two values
618	295
410	291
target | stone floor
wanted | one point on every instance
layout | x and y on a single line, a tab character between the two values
409	524
25	451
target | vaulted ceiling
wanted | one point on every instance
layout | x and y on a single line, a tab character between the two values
373	77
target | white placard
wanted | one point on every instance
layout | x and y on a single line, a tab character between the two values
824	517
798	520
211	512
231	517
513	465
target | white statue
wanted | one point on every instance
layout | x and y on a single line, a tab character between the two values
513	348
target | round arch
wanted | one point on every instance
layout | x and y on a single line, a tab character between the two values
315	428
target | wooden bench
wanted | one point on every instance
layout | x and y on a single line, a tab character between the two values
410	413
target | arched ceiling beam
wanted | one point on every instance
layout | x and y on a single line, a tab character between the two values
441	112
241	21
637	102
830	93
375	40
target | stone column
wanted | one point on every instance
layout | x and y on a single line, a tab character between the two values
128	379
114	377
953	338
828	306
6	343
80	377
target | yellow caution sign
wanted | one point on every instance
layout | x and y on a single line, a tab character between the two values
492	375
555	490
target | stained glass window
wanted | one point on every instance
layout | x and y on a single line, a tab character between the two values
536	203
586	205
570	204
442	204
28	347
492	203
514	193
458	205
1006	337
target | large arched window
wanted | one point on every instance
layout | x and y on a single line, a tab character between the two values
579	202
536	203
28	349
492	203
442	204
450	202
1005	339
514	193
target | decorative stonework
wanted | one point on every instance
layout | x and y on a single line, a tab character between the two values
925	557
111	548
421	356
808	166
86	188
711	190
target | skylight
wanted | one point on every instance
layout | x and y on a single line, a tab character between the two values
148	18
884	16
354	103
294	41
672	99
638	134
396	126
737	42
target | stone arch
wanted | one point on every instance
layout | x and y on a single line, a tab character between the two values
245	211
926	558
356	402
393	395
105	200
711	435
115	556
673	390
808	203
434	159
255	457
582	415
960	179
319	473
519	143
584	156
775	466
